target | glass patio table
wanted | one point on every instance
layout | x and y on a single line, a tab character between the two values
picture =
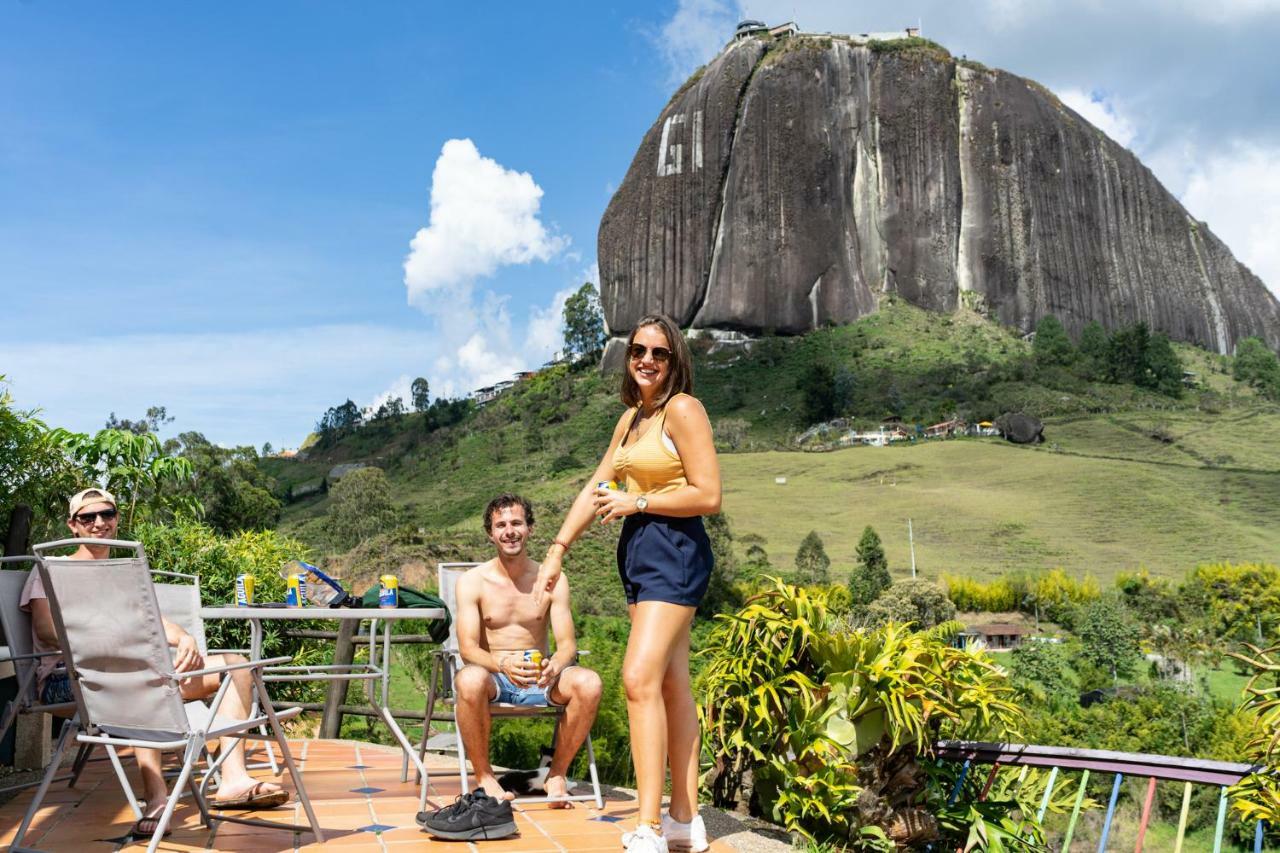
375	672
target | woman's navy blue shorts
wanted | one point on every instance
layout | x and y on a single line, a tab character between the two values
661	558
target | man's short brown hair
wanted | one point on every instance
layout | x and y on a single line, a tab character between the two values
503	501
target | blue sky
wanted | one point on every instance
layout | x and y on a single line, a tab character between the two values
209	206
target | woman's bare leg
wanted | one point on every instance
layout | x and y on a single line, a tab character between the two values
683	736
656	631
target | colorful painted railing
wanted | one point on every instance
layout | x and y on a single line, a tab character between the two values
1154	768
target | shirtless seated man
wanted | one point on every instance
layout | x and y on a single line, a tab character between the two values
94	515
497	621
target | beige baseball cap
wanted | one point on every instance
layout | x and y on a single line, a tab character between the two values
90	496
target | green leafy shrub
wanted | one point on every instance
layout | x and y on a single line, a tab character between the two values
194	548
831	725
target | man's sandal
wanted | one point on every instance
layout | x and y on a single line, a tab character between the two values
254	798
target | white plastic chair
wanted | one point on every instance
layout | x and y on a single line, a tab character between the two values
446	661
126	691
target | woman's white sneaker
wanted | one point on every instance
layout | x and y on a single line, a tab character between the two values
691	836
644	840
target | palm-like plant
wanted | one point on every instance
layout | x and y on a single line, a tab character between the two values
839	720
1257	797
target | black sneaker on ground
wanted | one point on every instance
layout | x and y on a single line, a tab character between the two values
474	816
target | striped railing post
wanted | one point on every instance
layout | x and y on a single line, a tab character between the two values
1111	812
1182	816
1075	811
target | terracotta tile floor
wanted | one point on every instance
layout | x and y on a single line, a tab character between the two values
94	816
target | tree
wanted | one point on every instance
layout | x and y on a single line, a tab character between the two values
267	449
155	418
722	596
1109	636
1257	365
392	407
871	574
1042	671
920	601
584	335
420	393
235	493
360	507
1092	353
1127	354
817	385
1163	373
339	419
812	562
1052	346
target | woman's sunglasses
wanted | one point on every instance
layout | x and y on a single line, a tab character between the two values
638	351
90	517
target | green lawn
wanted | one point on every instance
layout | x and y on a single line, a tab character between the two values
982	507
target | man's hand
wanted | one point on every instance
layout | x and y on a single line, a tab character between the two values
187	656
551	669
521	672
548	574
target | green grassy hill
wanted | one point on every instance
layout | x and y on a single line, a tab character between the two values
1127	478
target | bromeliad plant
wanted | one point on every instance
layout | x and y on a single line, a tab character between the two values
1257	797
831	726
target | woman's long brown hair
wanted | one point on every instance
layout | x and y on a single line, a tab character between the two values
679	369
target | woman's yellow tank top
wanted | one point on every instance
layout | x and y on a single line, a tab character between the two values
648	463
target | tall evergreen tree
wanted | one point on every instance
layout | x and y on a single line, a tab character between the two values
420	392
871	574
1163	369
584	335
1052	346
1092	354
812	562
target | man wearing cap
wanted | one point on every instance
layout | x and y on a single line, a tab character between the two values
93	515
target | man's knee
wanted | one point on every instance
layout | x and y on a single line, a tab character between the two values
473	684
582	685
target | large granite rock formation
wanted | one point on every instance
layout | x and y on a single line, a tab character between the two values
791	183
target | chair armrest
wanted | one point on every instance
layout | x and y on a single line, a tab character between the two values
31	656
249	664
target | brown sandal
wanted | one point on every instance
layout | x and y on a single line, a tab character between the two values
254	798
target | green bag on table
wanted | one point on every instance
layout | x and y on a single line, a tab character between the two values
410	597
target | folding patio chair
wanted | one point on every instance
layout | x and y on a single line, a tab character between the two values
126	691
179	600
16	624
446	661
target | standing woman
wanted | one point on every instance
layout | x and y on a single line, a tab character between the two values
662	447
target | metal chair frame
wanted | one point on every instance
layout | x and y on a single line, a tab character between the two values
446	661
179	730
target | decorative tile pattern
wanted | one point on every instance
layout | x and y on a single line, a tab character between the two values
353	820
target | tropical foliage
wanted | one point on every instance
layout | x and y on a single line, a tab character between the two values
832	726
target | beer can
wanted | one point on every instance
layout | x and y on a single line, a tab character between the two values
388	591
608	484
244	590
534	656
295	591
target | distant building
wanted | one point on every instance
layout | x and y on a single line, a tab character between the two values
994	636
751	28
946	429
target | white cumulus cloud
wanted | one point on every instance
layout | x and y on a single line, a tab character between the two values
483	216
1237	192
1102	112
694	34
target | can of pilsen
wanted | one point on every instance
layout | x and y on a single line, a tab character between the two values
244	590
534	656
389	591
295	591
609	484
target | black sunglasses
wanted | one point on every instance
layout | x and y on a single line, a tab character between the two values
90	517
638	351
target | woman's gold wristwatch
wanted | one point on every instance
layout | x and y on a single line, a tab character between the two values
642	503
